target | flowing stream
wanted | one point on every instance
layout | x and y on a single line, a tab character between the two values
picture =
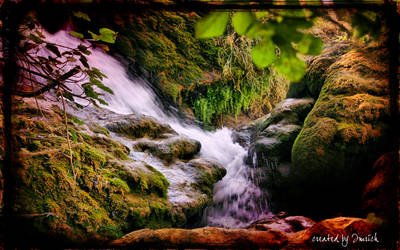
237	200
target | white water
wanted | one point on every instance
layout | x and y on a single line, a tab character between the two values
238	201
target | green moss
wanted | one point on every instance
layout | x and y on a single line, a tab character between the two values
77	121
120	154
120	185
342	136
84	137
184	67
104	202
100	130
92	156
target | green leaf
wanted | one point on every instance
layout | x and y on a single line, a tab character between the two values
258	29
102	101
82	48
40	34
290	66
94	36
212	25
101	85
366	23
106	35
261	14
84	62
78	105
68	96
263	54
76	34
35	39
98	73
242	21
310	45
89	91
81	15
53	48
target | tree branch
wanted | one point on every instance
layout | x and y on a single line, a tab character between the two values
54	82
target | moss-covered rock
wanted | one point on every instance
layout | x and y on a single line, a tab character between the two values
134	126
210	172
104	195
314	79
274	137
170	149
344	134
213	78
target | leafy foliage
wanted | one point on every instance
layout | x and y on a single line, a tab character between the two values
281	35
185	67
213	25
45	65
367	23
280	38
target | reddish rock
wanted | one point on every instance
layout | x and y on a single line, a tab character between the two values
336	232
289	224
207	237
379	196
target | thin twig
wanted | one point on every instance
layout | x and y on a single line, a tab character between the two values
36	101
68	141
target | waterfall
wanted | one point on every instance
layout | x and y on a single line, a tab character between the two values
237	200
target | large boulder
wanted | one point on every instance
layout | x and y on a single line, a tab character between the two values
134	126
342	136
314	79
208	173
274	137
177	147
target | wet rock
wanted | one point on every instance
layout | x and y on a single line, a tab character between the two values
343	135
289	224
207	237
170	149
208	173
295	232
242	137
275	136
135	126
338	232
142	177
289	111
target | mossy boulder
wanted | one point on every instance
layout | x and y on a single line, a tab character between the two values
274	137
134	126
101	197
343	135
170	149
209	172
314	79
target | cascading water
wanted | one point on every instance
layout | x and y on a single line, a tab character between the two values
237	200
